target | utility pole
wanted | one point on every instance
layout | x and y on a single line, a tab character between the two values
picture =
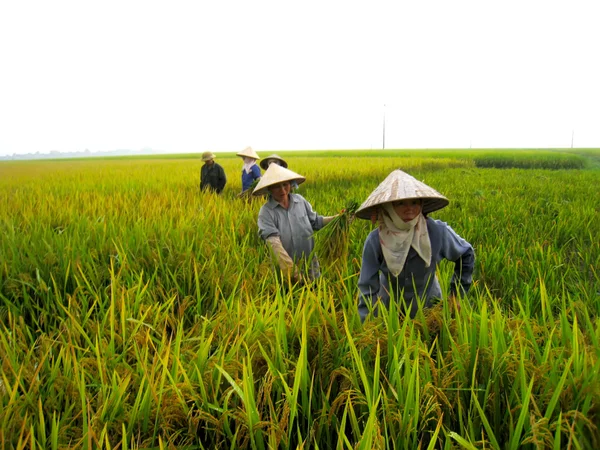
384	127
572	136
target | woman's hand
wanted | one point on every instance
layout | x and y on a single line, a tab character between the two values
298	279
350	216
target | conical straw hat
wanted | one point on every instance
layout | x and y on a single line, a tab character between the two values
249	153
401	186
264	164
273	175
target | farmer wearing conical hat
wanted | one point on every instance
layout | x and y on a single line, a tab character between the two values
212	175
276	159
250	170
273	159
287	222
400	257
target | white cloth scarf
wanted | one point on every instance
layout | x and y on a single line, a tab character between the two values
397	236
248	163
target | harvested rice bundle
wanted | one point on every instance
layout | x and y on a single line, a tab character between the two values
331	242
247	194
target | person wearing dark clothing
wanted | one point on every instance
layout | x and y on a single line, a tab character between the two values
212	175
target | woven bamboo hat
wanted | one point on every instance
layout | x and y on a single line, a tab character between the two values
249	153
273	175
401	186
264	164
207	156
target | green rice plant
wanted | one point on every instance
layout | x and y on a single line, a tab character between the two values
127	296
531	160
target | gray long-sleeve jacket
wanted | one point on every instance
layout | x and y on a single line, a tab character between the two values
415	280
295	226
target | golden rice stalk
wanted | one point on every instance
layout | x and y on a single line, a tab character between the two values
331	242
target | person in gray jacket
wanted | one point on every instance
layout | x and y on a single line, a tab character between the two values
287	223
400	257
276	159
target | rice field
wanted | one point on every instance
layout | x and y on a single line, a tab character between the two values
137	312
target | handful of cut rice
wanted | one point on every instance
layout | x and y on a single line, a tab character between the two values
331	241
247	194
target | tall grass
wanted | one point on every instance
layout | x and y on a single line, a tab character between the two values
137	312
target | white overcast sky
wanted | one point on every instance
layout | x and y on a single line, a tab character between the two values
183	76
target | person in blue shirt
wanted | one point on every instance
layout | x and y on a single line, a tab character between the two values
250	170
401	255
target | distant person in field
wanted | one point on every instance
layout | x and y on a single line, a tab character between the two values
400	257
276	159
287	222
212	175
250	170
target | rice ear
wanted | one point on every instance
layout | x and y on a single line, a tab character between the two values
331	243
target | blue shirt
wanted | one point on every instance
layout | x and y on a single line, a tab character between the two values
415	281
248	178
